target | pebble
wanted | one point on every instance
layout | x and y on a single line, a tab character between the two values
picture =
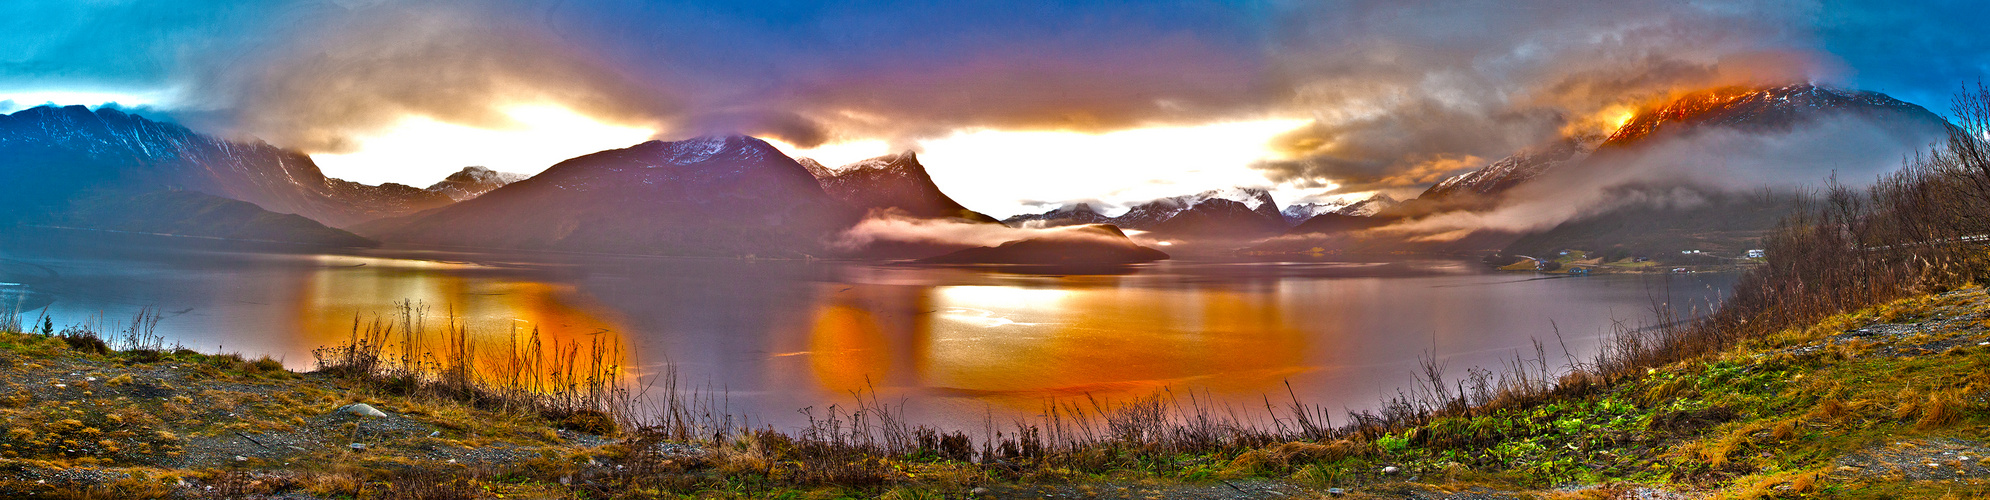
364	410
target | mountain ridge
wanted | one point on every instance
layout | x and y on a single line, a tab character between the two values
893	181
721	196
57	153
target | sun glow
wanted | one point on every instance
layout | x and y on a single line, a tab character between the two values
1001	172
420	150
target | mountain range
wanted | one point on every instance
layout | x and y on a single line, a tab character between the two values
713	196
72	152
734	195
1748	109
1298	213
1235	213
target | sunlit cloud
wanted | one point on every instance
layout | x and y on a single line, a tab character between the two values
836	154
1005	172
419	150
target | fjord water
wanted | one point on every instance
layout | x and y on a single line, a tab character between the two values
954	345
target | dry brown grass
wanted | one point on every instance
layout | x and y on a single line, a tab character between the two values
1941	409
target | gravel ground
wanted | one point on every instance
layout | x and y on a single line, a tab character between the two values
1940	459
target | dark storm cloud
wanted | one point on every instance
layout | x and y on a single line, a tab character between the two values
1401	92
911	69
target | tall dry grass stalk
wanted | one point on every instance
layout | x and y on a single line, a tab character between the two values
576	381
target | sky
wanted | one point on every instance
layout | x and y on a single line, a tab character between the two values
1012	106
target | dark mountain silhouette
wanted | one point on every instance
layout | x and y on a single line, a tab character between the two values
51	156
1330	223
472	182
895	181
712	196
192	213
1092	245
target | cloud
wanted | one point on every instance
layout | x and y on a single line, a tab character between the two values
1397	87
1676	171
891	227
369	68
1399	91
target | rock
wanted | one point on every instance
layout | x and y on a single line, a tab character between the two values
1336	491
357	446
979	491
1391	470
240	458
363	409
434	434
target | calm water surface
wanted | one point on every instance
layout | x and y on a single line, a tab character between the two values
954	345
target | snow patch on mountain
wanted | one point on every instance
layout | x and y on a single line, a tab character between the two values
472	182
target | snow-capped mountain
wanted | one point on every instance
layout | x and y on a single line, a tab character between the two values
1763	109
1068	215
1366	207
1220	213
894	181
50	155
717	195
1370	207
472	182
1299	212
1511	171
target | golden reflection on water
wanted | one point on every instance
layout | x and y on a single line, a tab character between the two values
1023	343
348	292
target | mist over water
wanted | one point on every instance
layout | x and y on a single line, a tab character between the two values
955	346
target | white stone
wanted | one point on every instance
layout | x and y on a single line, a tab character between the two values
364	410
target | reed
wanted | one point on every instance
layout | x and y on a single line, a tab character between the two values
577	383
